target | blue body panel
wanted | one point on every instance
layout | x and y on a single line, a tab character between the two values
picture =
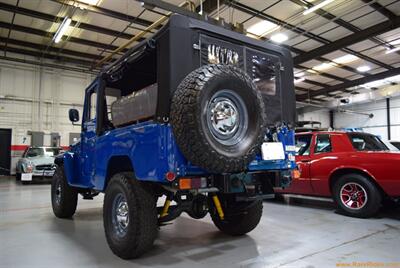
152	151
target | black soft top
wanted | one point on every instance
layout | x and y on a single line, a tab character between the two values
180	21
180	47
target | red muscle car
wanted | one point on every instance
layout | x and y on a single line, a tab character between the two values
356	169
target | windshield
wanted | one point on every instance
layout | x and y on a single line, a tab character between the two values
366	142
33	152
52	151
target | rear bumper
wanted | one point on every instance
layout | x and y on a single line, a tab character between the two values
253	185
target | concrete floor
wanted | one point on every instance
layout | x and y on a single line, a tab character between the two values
310	234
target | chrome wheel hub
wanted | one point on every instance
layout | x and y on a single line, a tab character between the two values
224	116
120	215
353	195
58	194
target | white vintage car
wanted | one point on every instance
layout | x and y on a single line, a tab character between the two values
37	162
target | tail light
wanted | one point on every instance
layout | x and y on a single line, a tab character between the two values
170	176
296	174
192	183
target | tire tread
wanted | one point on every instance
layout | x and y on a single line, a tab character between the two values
186	125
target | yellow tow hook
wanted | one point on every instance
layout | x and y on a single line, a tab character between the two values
167	203
218	206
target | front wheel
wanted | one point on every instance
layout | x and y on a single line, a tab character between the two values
357	196
240	217
129	216
64	198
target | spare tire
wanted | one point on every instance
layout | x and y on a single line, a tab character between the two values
218	118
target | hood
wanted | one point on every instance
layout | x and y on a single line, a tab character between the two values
41	160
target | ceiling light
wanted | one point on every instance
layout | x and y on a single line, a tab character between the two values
363	69
392	79
373	84
324	66
345	59
392	50
395	42
261	28
90	2
312	71
279	37
62	29
318	6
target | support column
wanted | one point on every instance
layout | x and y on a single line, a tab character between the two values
331	119
388	118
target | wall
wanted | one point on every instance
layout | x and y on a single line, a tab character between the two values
320	116
376	125
34	98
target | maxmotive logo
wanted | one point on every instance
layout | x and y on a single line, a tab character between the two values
368	264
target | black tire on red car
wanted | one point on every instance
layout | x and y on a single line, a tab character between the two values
357	196
218	118
64	198
240	217
129	216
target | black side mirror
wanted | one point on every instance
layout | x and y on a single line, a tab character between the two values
73	115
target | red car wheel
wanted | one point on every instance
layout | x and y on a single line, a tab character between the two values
353	195
357	196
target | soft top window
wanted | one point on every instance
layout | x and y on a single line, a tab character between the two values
366	142
135	73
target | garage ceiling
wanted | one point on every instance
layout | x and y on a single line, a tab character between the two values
328	45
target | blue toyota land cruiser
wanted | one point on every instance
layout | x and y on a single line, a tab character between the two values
198	114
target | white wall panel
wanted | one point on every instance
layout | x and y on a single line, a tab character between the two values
376	125
38	99
321	116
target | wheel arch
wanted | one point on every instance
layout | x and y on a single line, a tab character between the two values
337	173
117	164
59	160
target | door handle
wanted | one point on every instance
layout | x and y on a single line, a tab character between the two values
305	160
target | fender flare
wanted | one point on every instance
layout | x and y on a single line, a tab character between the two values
67	161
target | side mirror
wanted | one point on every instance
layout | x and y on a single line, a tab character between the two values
73	115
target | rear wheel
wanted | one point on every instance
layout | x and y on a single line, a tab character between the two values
129	216
240	217
218	118
64	198
356	196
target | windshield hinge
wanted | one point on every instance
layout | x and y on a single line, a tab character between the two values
197	46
